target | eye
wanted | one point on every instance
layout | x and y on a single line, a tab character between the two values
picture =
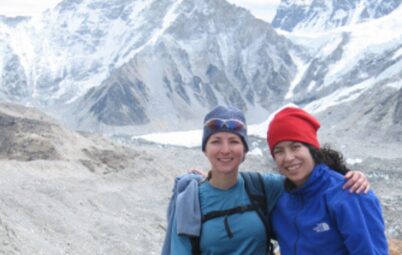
296	146
277	152
234	141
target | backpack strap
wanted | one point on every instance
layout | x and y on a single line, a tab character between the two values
216	214
195	245
225	214
195	241
254	185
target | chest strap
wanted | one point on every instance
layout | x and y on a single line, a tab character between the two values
226	213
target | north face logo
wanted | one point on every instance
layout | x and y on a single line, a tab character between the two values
321	227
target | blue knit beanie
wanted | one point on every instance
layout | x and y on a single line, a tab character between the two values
225	114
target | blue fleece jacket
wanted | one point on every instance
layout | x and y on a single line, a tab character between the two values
322	218
247	228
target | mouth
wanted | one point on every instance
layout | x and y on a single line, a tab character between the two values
224	160
293	168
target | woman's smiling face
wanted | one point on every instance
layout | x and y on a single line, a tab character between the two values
225	151
294	161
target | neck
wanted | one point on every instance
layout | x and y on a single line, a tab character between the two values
222	181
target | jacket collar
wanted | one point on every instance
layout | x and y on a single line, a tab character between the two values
313	183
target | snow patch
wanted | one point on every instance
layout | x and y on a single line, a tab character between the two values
340	96
354	161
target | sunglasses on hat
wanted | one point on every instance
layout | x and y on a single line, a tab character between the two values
230	124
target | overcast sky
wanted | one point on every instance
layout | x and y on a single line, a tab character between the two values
263	9
25	7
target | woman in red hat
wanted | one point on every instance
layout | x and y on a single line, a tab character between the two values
314	215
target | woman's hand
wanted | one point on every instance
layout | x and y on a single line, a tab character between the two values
356	182
197	171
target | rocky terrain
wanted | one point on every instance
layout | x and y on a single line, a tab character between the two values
63	192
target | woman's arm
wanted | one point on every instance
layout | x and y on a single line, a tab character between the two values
356	183
273	184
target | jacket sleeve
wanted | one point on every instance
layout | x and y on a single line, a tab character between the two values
173	242
273	184
180	244
170	215
360	222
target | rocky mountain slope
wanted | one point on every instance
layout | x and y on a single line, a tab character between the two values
352	79
115	65
63	192
130	67
127	67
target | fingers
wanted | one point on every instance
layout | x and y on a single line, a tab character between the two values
356	182
349	174
352	187
351	178
366	190
363	188
197	171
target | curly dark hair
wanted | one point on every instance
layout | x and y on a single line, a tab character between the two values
332	158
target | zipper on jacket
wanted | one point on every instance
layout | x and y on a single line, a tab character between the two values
296	225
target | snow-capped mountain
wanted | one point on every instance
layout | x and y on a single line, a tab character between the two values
354	72
141	66
152	63
199	59
318	15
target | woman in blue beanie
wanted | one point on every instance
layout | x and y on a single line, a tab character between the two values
239	229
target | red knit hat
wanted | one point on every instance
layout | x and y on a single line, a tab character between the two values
293	124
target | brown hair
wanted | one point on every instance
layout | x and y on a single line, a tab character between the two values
332	158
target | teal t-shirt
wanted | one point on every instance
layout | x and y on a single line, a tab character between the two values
273	188
247	228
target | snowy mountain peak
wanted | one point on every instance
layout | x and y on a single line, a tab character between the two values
298	15
143	66
195	59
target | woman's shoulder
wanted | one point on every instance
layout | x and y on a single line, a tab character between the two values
337	196
270	177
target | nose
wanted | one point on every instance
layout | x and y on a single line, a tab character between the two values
225	148
288	155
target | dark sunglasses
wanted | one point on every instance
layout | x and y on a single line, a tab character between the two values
230	124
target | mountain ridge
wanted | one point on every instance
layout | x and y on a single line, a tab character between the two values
186	79
100	70
316	16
